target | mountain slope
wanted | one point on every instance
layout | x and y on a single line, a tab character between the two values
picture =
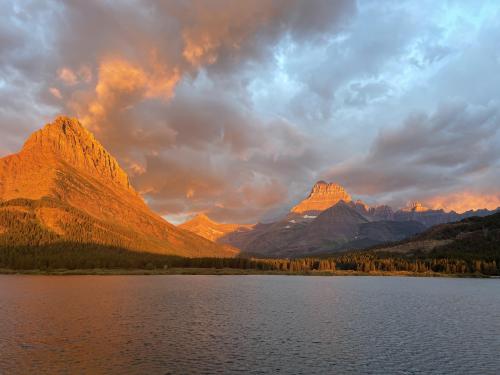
211	230
338	228
430	217
327	220
333	227
341	220
385	231
71	189
471	238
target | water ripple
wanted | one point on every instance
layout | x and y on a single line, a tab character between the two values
248	325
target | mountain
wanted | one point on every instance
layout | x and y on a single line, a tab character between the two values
342	227
336	228
382	212
415	211
333	227
327	220
323	195
211	230
64	187
338	223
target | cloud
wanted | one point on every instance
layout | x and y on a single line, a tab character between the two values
363	93
228	32
465	200
122	84
67	76
235	108
220	160
55	92
169	108
428	154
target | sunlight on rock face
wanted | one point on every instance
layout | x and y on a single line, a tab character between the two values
69	184
322	196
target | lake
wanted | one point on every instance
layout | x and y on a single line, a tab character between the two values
248	324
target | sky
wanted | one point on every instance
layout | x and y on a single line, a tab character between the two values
236	108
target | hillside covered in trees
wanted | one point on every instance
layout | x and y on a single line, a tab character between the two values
32	223
471	238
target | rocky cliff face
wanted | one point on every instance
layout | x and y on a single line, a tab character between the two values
66	179
323	196
42	165
67	139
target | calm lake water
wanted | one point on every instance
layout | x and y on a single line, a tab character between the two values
248	324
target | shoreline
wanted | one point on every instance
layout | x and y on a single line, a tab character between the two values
227	272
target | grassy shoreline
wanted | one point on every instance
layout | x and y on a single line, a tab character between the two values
225	271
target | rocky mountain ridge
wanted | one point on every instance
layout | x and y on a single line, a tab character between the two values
322	196
212	230
329	220
68	139
70	189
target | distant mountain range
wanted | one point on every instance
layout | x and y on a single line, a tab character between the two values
64	187
328	220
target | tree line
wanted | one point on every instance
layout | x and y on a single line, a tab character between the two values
91	256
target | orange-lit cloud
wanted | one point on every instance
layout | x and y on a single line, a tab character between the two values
190	145
201	51
464	201
235	108
190	193
85	73
122	84
67	76
136	168
264	194
429	156
55	92
71	77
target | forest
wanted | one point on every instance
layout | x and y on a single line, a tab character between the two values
73	256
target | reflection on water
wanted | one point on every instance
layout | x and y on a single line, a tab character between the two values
250	324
